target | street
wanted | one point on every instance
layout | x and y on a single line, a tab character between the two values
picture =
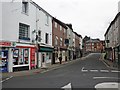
83	73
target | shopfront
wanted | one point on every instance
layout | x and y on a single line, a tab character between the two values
24	57
4	61
5	49
45	55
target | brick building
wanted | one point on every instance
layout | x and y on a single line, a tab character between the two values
59	35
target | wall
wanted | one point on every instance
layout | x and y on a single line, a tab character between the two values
119	29
43	27
0	21
12	16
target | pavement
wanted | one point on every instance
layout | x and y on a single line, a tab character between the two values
108	63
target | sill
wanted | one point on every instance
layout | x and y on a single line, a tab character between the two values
24	38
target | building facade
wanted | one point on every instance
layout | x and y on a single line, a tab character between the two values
59	35
43	36
112	40
94	45
21	36
71	40
78	46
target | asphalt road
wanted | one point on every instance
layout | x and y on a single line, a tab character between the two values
85	73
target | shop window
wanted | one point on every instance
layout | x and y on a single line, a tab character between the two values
50	55
3	60
21	56
24	32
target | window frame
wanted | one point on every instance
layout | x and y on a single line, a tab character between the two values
46	38
24	33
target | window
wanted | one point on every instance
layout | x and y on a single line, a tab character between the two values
25	7
56	41
65	31
60	28
24	31
46	38
20	56
60	41
55	25
39	36
47	19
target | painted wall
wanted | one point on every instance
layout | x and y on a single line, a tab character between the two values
12	16
0	21
43	26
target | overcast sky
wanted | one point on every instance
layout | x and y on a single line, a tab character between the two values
88	17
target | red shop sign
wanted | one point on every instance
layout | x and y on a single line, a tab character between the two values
5	44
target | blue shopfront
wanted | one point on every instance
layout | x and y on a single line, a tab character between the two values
4	61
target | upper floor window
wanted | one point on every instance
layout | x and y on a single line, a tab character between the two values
61	41
55	25
65	31
56	41
39	36
24	31
46	38
25	7
60	28
47	19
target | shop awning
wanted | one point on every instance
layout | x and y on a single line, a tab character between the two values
45	49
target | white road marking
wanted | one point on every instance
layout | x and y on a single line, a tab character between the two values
109	85
67	87
115	71
104	70
83	70
6	79
94	70
106	78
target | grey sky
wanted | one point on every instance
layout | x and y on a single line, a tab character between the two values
88	17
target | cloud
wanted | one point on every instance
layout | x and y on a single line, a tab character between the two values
89	17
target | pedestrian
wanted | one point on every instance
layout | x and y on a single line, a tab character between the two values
60	59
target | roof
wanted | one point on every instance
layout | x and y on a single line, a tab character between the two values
61	23
77	34
93	40
40	8
112	23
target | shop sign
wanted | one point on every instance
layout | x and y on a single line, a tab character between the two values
5	44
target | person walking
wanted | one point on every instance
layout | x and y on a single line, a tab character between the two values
60	59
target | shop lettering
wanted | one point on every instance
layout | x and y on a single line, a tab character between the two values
5	43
